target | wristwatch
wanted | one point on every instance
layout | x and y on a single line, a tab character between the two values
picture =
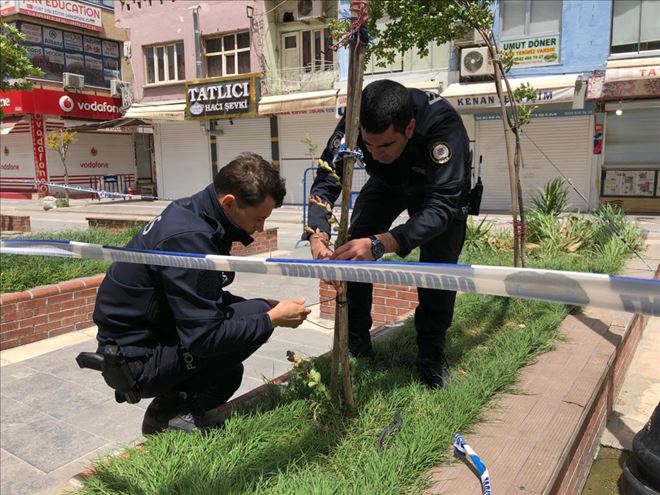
377	247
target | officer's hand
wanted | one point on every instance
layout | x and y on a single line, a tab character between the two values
320	249
290	313
357	249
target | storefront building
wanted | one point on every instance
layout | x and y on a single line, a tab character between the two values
31	115
628	95
556	45
189	148
78	49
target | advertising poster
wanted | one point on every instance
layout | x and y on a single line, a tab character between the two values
93	71
92	46
36	55
53	37
31	32
644	183
54	63
110	49
73	41
611	183
75	63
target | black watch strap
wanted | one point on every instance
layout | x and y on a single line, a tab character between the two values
377	247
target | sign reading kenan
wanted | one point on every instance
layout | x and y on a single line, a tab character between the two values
221	98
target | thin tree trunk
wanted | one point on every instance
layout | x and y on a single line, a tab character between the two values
340	364
510	161
66	182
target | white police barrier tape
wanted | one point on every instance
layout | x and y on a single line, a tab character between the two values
465	452
99	192
628	294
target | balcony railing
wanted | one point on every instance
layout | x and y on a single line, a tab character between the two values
299	79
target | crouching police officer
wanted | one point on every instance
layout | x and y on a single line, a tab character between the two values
182	335
416	152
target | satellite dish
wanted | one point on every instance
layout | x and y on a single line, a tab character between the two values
305	8
473	61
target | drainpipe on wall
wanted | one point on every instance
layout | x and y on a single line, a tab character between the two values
198	42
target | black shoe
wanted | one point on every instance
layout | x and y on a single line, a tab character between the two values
178	412
433	373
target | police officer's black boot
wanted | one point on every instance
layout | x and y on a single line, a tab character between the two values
170	410
433	372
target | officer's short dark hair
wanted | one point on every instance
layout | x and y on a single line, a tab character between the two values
385	103
251	179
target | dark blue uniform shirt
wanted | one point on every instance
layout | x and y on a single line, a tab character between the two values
144	306
435	165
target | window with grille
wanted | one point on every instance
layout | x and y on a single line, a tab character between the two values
228	54
635	26
165	63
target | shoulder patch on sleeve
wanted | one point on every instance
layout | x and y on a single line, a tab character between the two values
335	141
440	152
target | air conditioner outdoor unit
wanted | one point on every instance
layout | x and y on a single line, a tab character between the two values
73	81
115	87
309	8
470	38
475	61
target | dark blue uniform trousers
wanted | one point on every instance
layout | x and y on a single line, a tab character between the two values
376	207
212	381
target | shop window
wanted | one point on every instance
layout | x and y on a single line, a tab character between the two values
55	51
165	63
530	17
228	54
635	26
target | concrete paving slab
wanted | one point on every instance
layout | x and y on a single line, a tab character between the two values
15	413
48	443
115	423
52	395
19	477
640	392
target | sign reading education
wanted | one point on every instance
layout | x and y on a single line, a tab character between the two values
64	11
221	98
542	50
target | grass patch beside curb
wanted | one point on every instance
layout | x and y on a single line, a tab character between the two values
26	272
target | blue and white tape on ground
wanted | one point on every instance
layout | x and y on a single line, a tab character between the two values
99	192
465	452
629	294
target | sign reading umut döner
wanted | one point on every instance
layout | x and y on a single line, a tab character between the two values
221	98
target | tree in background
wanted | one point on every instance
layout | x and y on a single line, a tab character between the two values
60	142
15	64
417	24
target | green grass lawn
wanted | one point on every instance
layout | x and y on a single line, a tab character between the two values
283	445
289	443
280	448
25	272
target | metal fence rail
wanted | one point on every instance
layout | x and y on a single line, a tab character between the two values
360	177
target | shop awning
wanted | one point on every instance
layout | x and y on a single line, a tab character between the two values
321	101
624	79
8	124
298	102
108	124
467	97
164	110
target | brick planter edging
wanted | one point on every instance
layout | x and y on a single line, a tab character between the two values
14	223
47	311
52	310
389	303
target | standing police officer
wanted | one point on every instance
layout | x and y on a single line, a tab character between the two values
416	152
183	335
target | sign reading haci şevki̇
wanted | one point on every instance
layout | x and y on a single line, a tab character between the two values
220	98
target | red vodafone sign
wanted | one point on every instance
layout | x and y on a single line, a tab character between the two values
49	102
